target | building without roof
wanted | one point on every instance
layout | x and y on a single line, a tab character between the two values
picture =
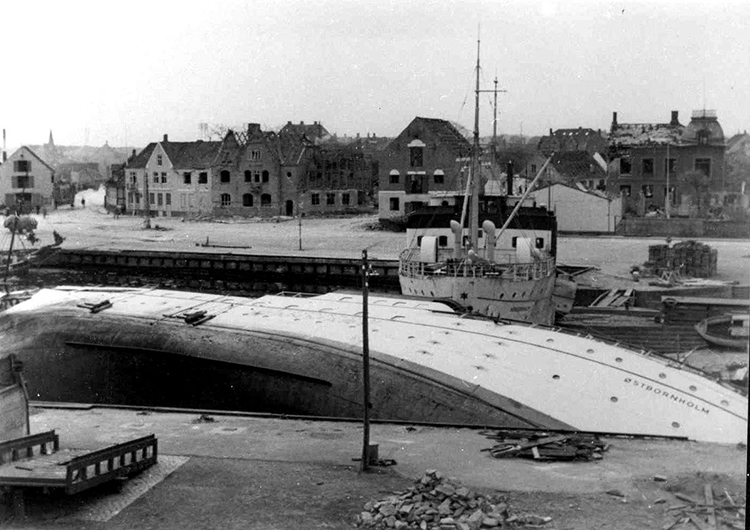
647	159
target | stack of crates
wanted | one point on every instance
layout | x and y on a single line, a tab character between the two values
689	258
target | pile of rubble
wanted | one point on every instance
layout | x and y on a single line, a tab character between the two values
435	502
545	446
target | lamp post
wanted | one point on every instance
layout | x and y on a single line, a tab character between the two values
365	364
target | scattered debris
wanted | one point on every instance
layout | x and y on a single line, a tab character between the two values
204	418
437	502
545	446
711	513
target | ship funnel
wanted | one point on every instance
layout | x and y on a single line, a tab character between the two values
456	229
489	230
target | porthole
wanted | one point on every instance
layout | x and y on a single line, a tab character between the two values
662	375
618	359
555	377
724	402
693	388
550	340
613	399
675	425
589	351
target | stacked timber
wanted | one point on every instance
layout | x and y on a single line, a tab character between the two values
689	258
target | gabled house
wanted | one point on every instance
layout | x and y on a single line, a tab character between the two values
27	183
427	163
172	178
577	168
580	210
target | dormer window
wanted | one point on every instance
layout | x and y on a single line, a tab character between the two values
416	153
703	137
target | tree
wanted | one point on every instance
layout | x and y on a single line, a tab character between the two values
695	184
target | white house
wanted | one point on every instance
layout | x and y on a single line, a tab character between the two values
579	210
26	181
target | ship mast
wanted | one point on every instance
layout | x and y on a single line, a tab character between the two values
475	174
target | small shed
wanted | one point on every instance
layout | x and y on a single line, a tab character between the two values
579	210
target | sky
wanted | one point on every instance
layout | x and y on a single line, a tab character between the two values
127	72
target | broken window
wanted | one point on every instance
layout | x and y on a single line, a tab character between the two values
203	177
647	166
394	204
394	177
264	176
626	167
248	176
226	199
703	165
416	157
224	176
625	190
247	199
648	190
187	177
669	164
265	199
439	176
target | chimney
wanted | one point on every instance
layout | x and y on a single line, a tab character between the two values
166	138
510	177
550	131
614	120
675	120
301	123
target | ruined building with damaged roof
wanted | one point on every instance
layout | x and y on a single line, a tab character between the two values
646	159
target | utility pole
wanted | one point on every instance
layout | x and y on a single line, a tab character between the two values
146	201
365	365
668	197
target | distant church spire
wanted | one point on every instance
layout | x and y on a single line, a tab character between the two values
51	141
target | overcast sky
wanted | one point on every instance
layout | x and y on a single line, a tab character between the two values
127	72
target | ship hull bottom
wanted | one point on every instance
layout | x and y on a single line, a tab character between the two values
132	363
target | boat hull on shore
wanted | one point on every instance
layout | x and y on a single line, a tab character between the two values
303	356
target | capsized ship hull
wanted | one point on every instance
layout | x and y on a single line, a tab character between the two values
303	355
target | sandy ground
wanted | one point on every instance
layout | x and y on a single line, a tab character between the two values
93	227
270	473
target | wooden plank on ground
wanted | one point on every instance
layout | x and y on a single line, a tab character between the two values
709	494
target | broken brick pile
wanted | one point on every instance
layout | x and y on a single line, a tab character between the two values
435	502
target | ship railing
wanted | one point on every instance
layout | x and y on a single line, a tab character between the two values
516	272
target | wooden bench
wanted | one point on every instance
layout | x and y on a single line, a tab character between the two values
36	461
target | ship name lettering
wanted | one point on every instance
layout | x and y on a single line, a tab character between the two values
662	392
